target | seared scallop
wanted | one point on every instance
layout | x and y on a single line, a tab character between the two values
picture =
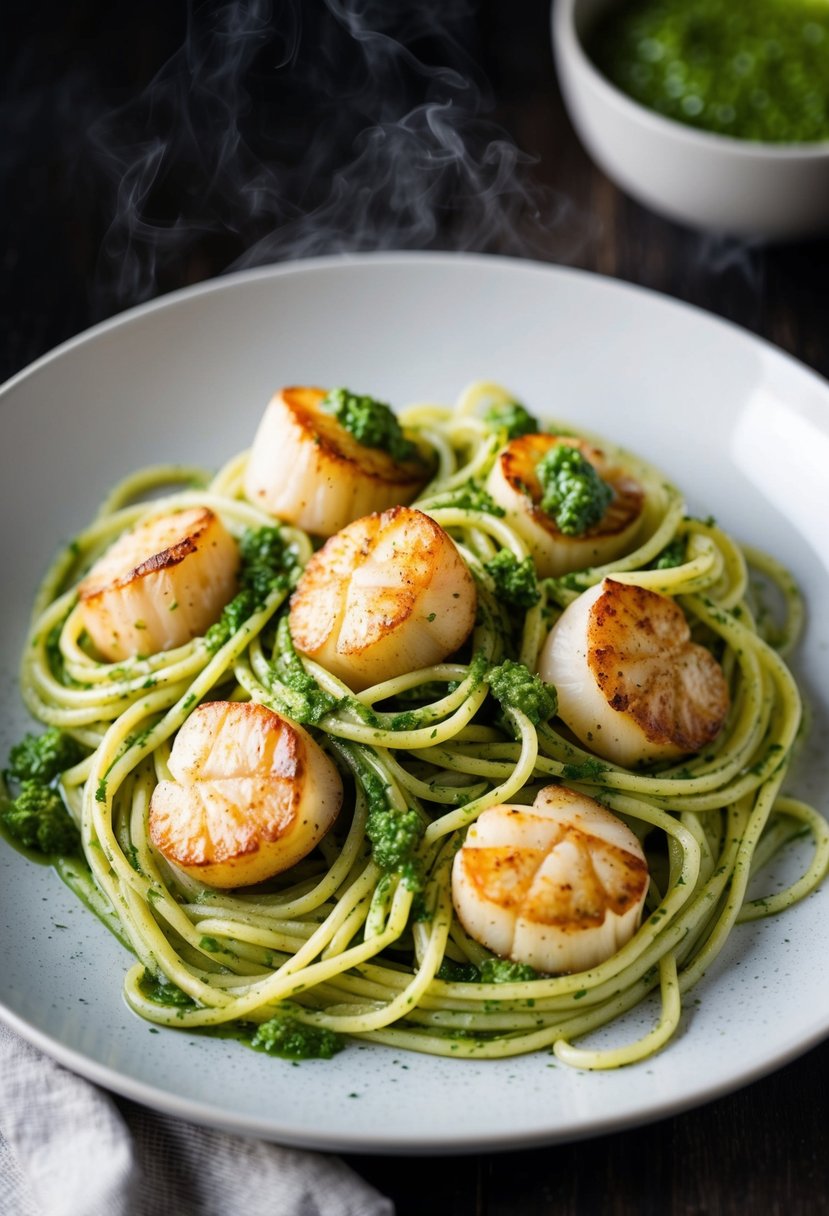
388	594
161	584
559	885
515	486
632	685
252	794
306	469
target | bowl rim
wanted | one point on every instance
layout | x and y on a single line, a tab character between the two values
568	45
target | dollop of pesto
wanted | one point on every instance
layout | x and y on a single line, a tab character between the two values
491	971
395	835
372	423
514	686
32	810
505	971
515	581
295	691
751	69
38	819
294	1040
574	494
45	756
268	564
513	418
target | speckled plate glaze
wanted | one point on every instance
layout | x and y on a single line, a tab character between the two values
742	428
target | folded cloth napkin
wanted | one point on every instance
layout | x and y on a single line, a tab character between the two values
68	1148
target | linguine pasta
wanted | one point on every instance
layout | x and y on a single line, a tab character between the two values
338	942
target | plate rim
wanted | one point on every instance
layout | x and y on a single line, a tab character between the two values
416	1145
234	278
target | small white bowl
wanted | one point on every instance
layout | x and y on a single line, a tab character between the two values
754	190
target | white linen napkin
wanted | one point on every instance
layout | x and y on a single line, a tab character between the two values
68	1148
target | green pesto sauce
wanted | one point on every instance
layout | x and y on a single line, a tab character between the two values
293	1041
13	842
751	69
282	1035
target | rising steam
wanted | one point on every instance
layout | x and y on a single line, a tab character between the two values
285	130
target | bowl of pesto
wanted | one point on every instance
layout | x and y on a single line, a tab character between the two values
714	113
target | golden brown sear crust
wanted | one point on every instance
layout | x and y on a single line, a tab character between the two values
305	404
194	523
387	594
510	876
269	769
683	699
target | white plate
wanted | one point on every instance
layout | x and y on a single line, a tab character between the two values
742	428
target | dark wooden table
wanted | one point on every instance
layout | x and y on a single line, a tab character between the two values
111	194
